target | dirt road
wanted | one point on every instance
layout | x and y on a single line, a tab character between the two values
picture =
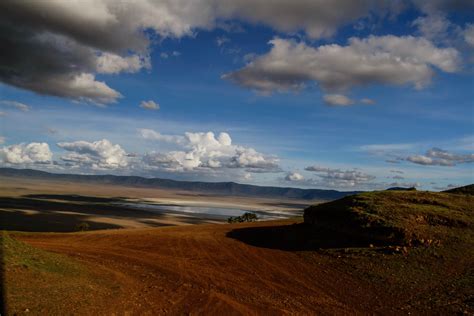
201	270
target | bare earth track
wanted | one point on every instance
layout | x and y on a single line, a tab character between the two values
199	269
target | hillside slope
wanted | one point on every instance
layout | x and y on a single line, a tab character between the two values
467	189
397	217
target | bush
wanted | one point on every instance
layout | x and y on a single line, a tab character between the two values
82	227
246	217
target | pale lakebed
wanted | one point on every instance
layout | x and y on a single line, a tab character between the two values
214	211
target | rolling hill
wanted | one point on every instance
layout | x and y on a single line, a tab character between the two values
219	188
397	217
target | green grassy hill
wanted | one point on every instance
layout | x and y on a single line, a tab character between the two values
398	217
418	243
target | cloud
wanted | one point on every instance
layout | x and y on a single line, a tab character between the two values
165	55
318	169
98	155
221	40
337	100
57	48
82	87
49	51
317	18
469	34
331	177
437	6
50	46
294	177
367	101
291	65
439	157
396	160
32	153
18	105
154	135
404	185
253	161
342	100
435	23
2	140
206	151
434	26
149	105
48	63
113	64
397	171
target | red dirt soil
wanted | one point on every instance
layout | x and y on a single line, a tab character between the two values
200	270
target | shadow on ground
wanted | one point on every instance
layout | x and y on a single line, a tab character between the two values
75	198
296	237
63	213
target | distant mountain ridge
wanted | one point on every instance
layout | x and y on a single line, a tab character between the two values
220	188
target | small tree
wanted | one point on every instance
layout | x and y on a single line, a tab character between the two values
246	217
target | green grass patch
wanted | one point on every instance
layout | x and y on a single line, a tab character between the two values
41	282
23	256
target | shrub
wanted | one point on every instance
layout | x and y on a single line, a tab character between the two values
246	217
82	227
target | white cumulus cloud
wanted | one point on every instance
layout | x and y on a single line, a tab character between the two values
294	177
439	157
108	63
206	151
96	155
291	65
31	153
149	105
337	100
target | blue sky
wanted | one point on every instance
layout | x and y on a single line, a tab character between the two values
377	95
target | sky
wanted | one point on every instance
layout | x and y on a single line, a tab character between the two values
346	95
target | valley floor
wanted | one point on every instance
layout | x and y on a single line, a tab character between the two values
58	206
